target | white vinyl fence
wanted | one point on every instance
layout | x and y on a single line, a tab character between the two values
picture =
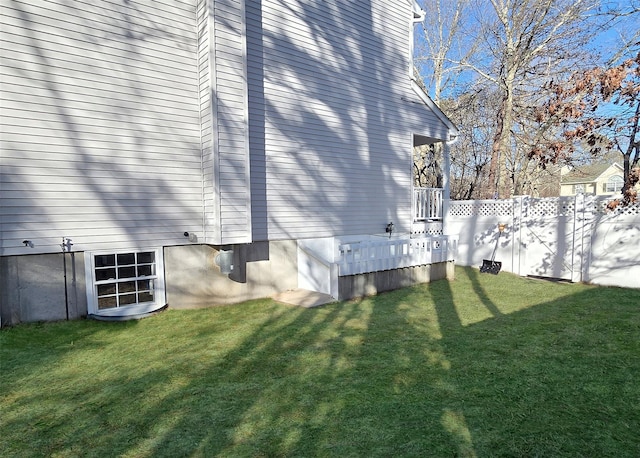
573	238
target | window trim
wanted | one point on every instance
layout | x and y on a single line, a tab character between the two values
616	182
124	310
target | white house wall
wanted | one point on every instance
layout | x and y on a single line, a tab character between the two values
101	137
331	116
126	124
224	112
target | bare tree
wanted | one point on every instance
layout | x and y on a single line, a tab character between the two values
470	156
443	44
529	40
427	166
509	48
622	19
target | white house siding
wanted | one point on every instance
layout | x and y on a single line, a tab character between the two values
223	104
101	137
331	117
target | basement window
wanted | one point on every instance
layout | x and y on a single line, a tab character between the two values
124	283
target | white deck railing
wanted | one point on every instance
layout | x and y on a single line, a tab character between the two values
375	255
427	204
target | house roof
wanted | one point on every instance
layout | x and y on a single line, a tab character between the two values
418	12
424	97
588	173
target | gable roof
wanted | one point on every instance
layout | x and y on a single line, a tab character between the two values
424	97
588	173
418	12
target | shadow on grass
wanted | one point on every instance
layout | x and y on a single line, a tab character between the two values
406	373
474	276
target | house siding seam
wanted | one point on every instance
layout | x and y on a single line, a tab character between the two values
330	124
101	137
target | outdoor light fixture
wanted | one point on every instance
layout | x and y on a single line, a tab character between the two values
389	228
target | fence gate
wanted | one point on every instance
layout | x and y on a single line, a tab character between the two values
576	238
554	236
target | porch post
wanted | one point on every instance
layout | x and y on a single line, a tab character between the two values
446	191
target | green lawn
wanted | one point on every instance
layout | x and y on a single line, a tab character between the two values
482	366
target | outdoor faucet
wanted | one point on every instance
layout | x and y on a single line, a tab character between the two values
66	245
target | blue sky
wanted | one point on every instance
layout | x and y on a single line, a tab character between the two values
606	44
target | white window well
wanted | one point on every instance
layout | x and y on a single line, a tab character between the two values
124	283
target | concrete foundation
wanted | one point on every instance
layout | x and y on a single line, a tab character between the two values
32	288
372	283
261	269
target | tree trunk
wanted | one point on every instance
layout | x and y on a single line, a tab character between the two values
499	186
494	165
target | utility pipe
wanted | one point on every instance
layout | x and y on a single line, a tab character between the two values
66	246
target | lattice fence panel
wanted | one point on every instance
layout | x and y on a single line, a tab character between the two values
430	228
551	207
602	207
481	208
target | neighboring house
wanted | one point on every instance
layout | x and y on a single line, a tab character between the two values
195	152
596	179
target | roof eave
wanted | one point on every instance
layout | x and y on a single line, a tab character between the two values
424	97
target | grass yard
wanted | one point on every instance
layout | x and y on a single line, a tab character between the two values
483	366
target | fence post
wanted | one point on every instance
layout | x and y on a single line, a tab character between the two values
446	192
576	262
586	232
519	252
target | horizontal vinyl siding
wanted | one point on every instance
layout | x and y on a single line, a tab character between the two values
223	99
231	96
207	123
100	135
330	122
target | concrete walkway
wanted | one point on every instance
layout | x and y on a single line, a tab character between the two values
303	298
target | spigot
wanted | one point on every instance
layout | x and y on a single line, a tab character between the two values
66	244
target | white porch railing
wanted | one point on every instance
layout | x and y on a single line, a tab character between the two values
375	255
427	204
322	261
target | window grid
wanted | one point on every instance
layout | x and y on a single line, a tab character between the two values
124	279
614	184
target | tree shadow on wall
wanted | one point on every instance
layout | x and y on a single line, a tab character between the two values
110	126
319	95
